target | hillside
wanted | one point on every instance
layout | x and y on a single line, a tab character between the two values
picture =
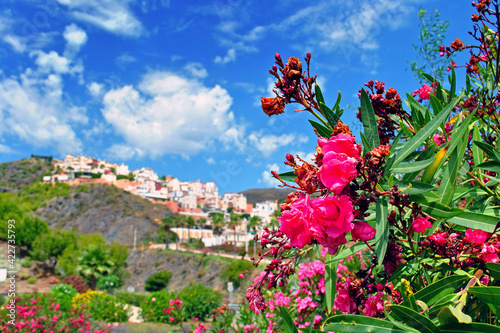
17	174
259	195
106	210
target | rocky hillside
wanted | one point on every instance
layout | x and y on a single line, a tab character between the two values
14	175
104	209
186	268
259	195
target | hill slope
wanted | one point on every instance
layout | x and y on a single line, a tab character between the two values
14	175
259	195
104	209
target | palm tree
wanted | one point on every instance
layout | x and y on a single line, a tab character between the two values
168	223
217	226
253	224
189	222
201	223
94	263
234	221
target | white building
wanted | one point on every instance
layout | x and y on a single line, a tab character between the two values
265	210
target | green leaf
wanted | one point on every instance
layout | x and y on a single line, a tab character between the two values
451	315
322	130
413	319
437	107
329	115
424	155
361	324
369	121
382	230
469	328
490	295
467	84
494	270
476	152
337	103
288	323
437	290
412	166
490	151
319	94
475	221
490	165
425	132
359	246
453	85
446	188
415	188
288	176
435	209
330	284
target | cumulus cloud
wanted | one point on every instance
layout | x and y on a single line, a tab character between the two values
211	160
168	114
114	16
32	108
95	89
267	179
196	70
75	37
268	144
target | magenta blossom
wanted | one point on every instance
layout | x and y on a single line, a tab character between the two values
420	224
295	222
362	231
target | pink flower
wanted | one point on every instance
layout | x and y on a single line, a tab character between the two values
331	221
420	224
340	157
344	302
423	93
340	144
476	237
438	139
153	299
242	276
171	302
168	310
171	319
489	253
295	222
337	171
374	305
362	231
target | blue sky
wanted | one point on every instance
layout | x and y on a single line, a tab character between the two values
176	85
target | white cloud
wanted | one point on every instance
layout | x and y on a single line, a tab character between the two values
114	16
196	70
75	36
32	108
125	59
229	57
6	150
211	160
268	144
95	89
267	177
17	44
168	114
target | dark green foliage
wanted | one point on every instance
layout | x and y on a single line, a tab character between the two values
50	245
233	271
199	301
134	298
29	229
94	263
158	281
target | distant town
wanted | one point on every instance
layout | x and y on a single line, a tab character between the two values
192	198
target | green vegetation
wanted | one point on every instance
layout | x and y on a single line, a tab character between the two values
158	281
199	301
234	269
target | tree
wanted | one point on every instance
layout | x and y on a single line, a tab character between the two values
28	231
50	245
217	226
253	224
168	223
234	222
94	263
189	222
432	35
201	223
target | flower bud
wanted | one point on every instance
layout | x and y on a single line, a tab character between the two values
265	235
290	158
308	55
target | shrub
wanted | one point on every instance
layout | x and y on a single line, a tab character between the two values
234	270
101	306
64	294
158	281
134	298
163	307
31	280
199	301
27	262
76	282
108	282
